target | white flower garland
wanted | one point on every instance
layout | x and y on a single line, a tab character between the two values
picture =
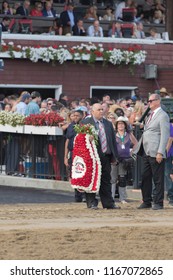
80	52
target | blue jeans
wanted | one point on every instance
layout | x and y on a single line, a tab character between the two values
168	181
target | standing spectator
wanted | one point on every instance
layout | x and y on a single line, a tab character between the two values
68	19
33	106
152	147
168	166
63	99
78	28
8	107
124	140
6	10
22	105
37	10
23	10
5	24
107	151
95	30
70	135
48	11
121	6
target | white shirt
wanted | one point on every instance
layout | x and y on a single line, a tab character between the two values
119	9
93	33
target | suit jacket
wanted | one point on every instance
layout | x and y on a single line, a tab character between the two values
155	135
110	136
45	13
77	32
21	11
64	18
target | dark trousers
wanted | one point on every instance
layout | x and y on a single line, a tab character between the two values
105	186
155	171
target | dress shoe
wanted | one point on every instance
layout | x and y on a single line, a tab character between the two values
144	206
114	207
157	207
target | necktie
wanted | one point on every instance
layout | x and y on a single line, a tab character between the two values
102	136
150	117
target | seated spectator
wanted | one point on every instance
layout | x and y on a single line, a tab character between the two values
6	10
139	34
15	6
5	23
48	11
95	30
115	30
56	29
23	10
109	14
68	19
78	28
91	13
153	34
37	10
158	17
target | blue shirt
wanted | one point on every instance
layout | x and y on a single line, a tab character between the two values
71	16
32	108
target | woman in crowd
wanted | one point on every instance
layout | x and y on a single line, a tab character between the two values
37	10
6	10
125	140
56	29
91	13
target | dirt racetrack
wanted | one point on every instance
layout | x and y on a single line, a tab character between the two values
70	231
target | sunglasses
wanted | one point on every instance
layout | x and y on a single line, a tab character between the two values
49	103
150	101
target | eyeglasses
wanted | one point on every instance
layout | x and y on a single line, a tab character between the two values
111	118
150	101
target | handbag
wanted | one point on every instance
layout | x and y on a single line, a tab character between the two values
127	163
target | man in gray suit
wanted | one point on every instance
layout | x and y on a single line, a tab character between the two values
152	146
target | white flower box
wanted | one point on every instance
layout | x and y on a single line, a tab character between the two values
11	129
43	130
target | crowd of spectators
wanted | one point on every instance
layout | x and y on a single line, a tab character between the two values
128	109
72	22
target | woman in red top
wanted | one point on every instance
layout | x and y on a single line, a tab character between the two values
37	11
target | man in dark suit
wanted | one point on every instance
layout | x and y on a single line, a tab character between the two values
23	10
78	28
107	151
68	19
5	24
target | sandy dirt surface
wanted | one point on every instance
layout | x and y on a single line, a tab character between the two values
70	231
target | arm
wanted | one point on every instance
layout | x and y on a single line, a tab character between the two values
133	140
66	152
170	140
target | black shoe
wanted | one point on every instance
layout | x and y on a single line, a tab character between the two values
114	207
157	207
144	206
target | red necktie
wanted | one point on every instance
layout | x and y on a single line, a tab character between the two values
150	118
